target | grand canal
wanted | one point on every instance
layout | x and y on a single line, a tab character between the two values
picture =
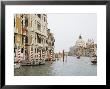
71	66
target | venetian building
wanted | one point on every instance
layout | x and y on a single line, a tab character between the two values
50	41
32	41
20	31
24	33
91	48
95	49
80	45
37	36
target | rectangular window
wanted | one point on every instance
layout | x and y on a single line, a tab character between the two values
26	39
35	22
22	50
26	22
22	23
38	39
35	50
44	19
31	23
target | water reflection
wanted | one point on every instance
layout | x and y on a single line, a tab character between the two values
70	67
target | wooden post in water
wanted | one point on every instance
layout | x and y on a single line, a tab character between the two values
63	55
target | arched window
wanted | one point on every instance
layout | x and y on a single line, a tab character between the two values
38	26
22	50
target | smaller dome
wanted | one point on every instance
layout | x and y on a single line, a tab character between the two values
80	37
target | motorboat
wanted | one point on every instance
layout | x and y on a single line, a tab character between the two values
17	65
94	59
78	57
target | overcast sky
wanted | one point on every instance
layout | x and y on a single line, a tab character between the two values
68	27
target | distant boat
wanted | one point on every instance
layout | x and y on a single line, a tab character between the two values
78	57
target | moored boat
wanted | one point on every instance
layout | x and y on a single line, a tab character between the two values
94	59
17	65
78	57
41	61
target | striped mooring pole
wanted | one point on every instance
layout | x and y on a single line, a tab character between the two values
19	56
43	55
31	55
51	54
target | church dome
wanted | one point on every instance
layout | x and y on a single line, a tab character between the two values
80	42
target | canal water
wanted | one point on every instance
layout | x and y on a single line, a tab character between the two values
71	66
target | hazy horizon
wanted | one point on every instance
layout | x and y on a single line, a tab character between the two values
67	28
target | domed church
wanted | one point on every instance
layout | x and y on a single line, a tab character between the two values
80	42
